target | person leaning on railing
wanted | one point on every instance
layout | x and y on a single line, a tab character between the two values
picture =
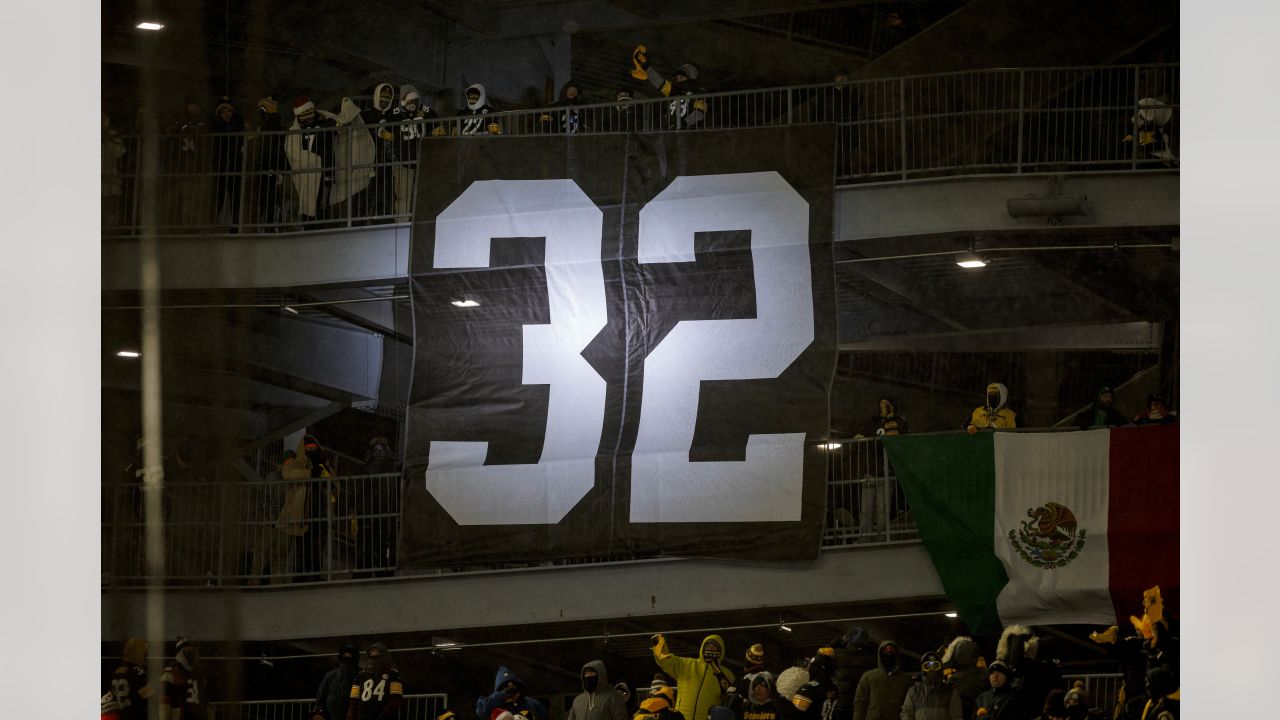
684	113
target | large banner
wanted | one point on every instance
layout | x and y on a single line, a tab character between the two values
623	345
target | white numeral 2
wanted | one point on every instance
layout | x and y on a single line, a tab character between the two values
665	485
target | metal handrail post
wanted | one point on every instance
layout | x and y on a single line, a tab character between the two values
350	172
328	521
888	493
902	126
1022	109
1133	124
222	529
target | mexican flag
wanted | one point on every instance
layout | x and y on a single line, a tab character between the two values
1045	528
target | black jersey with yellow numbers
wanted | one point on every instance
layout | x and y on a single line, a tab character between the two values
131	691
376	695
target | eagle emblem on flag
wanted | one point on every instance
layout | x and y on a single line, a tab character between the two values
1050	538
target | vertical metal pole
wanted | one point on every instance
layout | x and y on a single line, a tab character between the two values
1133	125
222	526
888	492
902	127
1022	107
328	524
350	171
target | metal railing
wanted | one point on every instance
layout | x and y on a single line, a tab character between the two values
416	707
1103	689
231	530
1021	120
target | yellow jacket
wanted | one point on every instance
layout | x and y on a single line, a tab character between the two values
700	683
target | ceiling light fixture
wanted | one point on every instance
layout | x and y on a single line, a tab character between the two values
465	303
784	628
971	260
129	354
290	309
147	25
952	614
833	446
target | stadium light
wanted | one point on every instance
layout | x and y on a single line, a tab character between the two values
129	354
832	446
971	260
147	25
465	303
952	614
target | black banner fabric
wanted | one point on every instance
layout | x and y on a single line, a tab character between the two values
623	346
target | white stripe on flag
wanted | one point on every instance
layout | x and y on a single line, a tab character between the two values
1072	470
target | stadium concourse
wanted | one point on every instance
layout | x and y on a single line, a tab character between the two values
825	350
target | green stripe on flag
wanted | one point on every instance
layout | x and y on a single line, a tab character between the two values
949	481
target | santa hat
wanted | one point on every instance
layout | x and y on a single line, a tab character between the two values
303	105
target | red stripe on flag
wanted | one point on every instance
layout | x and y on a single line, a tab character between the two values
1143	520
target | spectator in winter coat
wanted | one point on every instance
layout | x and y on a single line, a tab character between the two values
995	414
266	163
185	693
1163	695
968	673
1035	678
377	692
567	120
411	121
1158	412
1055	707
881	691
1103	413
760	700
660	704
703	683
228	156
888	421
739	694
509	695
684	113
476	116
598	699
816	698
335	687
931	698
1001	701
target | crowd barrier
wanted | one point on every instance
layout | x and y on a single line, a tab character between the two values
239	528
416	707
1020	120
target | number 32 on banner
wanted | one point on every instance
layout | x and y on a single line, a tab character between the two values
665	485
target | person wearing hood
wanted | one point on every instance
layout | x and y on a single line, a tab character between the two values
887	421
509	698
1157	413
932	698
266	162
702	681
1001	701
966	671
598	700
685	112
317	136
660	703
310	467
881	691
816	698
228	154
129	685
185	690
1103	413
1055	706
475	116
995	414
378	506
758	700
375	200
335	687
1163	695
566	120
376	693
623	116
1018	649
409	121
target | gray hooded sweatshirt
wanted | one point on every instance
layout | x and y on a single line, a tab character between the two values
604	703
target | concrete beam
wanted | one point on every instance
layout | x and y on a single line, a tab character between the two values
1125	337
552	594
978	204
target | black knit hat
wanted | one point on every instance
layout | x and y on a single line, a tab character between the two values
1000	667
